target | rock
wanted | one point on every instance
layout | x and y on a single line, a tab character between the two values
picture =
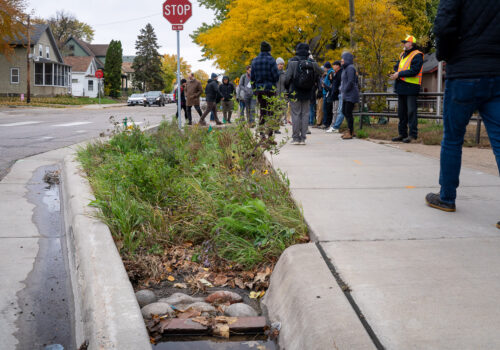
157	309
221	297
180	300
240	310
145	297
201	307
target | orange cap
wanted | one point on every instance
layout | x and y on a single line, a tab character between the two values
409	38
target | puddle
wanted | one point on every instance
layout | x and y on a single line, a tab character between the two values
234	343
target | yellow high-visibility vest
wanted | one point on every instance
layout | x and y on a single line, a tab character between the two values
405	63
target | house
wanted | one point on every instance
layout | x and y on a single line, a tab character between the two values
83	80
430	73
80	48
49	75
127	75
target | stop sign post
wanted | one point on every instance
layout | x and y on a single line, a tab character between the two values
99	74
177	12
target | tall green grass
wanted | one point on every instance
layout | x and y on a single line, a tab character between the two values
210	188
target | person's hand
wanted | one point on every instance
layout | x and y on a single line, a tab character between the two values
394	76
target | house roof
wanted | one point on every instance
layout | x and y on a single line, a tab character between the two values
430	63
78	63
127	67
36	33
83	45
99	49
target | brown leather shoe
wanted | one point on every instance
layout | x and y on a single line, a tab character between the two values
347	136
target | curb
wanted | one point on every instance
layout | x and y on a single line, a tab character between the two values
107	314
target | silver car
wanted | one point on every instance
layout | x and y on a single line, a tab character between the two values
135	99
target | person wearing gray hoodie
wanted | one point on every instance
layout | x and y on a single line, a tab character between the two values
350	92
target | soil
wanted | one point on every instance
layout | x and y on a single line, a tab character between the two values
481	159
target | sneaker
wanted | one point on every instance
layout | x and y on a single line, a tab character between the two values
308	132
294	142
409	139
302	143
433	200
398	138
330	130
335	131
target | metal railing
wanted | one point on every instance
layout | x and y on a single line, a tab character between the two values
429	106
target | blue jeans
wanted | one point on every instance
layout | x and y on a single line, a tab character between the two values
340	115
463	97
312	113
242	108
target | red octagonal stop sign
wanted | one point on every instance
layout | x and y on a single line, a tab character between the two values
177	11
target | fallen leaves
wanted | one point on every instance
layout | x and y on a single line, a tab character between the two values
256	295
180	285
171	278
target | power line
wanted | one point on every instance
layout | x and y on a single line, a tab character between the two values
126	20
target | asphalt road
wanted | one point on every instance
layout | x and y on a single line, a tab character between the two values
28	131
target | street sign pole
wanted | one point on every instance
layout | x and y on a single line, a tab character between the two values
179	81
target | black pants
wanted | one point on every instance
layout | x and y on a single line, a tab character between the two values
347	108
183	107
189	115
407	114
328	117
265	106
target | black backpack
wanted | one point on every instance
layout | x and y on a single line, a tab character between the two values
305	76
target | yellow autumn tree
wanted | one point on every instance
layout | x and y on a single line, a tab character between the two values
236	41
202	76
12	24
379	28
169	69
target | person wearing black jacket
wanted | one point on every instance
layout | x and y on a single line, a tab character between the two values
212	95
468	39
183	102
227	90
334	96
408	78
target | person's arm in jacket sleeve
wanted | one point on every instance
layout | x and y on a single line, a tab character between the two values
289	74
275	74
220	92
351	78
415	66
199	89
396	67
446	28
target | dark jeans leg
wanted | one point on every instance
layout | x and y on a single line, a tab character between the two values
327	120
188	115
211	107
412	115
312	113
198	109
347	108
265	112
403	115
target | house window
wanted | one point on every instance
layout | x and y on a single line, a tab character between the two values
91	85
47	51
74	81
48	74
40	50
38	73
14	75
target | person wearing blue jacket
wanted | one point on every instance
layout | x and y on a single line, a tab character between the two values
350	92
326	84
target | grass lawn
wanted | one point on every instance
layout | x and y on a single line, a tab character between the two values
54	101
209	190
429	132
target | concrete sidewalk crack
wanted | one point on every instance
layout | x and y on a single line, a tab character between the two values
347	292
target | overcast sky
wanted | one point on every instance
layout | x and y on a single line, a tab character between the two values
122	20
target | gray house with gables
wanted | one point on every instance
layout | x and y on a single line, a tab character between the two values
49	75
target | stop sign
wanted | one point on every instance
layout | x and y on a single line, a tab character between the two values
177	11
99	74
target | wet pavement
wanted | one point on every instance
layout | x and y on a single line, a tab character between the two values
45	303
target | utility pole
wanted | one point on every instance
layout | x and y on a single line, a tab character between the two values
351	20
28	75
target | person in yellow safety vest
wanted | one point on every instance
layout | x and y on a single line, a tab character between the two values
408	78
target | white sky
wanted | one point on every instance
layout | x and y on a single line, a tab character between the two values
122	20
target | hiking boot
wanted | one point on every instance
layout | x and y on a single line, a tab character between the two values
347	136
294	142
434	200
202	122
409	139
398	138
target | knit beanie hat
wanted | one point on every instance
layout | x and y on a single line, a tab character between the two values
265	46
279	60
213	76
328	65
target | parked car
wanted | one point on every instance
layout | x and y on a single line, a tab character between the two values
154	98
170	98
135	99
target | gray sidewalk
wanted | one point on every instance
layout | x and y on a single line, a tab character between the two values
422	278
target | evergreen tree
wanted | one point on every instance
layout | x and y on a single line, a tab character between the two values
147	63
113	69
